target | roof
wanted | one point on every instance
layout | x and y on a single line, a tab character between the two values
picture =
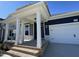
29	13
31	4
26	5
64	15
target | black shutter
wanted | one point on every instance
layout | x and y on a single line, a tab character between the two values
46	30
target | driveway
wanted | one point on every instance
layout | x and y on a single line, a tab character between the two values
61	50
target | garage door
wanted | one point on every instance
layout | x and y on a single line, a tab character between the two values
64	33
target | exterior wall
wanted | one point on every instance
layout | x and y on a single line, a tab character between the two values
64	30
2	32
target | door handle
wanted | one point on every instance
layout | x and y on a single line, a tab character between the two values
74	35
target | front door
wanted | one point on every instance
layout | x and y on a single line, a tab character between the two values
28	32
11	36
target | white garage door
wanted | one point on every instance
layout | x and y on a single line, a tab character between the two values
64	33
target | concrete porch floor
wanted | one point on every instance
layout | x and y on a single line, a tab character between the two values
61	50
33	42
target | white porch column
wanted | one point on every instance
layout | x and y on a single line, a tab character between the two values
6	32
22	33
38	21
17	31
33	31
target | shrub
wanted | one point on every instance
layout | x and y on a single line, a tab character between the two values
4	46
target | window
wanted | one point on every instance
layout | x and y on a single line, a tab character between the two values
26	30
75	20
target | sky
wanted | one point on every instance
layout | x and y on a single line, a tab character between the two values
55	7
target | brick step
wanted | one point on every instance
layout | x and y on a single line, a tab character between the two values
26	50
18	54
25	46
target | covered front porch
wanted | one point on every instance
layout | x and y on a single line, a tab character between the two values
27	25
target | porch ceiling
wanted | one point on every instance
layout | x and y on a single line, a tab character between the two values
29	13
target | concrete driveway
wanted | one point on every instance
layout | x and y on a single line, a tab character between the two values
61	50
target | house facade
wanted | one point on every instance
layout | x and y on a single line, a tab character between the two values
34	22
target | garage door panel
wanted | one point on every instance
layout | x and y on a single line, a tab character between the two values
64	33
